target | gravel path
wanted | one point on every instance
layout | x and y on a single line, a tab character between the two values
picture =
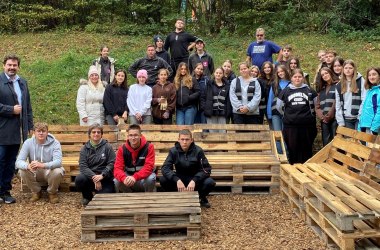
233	222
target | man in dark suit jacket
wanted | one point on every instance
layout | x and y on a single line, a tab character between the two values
16	120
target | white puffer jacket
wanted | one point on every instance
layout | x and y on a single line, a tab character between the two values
90	103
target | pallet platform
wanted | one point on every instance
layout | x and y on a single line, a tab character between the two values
142	217
343	203
365	229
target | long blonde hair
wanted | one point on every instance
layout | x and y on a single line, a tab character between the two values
343	80
186	79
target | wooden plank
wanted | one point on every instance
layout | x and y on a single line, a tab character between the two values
358	150
228	137
232	127
347	160
322	155
343	131
77	128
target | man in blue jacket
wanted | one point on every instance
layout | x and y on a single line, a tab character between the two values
16	119
192	169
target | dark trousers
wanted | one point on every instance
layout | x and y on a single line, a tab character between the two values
328	131
351	123
87	186
246	119
203	188
8	154
163	121
299	141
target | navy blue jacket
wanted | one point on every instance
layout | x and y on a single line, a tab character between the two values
10	123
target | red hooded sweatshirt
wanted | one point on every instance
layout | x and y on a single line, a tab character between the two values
148	168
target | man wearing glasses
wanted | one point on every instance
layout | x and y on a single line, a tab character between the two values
261	50
96	162
44	164
134	165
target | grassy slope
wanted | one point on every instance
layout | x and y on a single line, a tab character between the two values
53	63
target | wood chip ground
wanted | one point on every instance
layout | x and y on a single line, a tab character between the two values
233	222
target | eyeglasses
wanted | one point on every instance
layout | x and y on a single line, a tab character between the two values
96	132
260	35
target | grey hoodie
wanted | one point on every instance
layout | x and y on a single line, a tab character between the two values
49	153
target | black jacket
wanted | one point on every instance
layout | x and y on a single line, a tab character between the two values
164	55
115	100
207	100
191	163
152	66
99	160
10	123
188	97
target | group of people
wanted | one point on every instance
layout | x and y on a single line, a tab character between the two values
131	169
171	82
279	92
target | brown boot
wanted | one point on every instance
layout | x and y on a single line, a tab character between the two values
35	197
53	198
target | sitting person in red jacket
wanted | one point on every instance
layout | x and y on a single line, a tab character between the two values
134	165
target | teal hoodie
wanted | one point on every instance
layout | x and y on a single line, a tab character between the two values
49	153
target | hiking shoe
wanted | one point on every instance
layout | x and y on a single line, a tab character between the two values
53	198
8	199
85	202
204	202
35	197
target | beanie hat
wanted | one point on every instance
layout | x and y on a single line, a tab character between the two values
156	38
92	70
142	73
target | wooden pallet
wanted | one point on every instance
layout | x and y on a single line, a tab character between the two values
344	202
142	217
365	229
293	198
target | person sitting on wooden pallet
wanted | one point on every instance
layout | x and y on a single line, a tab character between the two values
44	164
96	162
192	169
134	165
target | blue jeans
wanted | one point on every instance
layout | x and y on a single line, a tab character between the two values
277	125
200	117
8	154
145	185
185	116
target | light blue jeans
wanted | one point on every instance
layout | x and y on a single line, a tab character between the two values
185	116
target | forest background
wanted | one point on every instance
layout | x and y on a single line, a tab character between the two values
58	39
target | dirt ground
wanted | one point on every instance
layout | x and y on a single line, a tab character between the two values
233	222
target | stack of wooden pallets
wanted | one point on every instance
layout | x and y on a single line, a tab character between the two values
337	192
142	217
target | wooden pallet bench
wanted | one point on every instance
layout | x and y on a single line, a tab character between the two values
142	217
244	157
330	233
337	191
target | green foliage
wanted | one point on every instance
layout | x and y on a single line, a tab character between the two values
146	17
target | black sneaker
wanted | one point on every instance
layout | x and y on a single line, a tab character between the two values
85	202
8	199
204	202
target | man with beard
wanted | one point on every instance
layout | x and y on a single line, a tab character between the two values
16	119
